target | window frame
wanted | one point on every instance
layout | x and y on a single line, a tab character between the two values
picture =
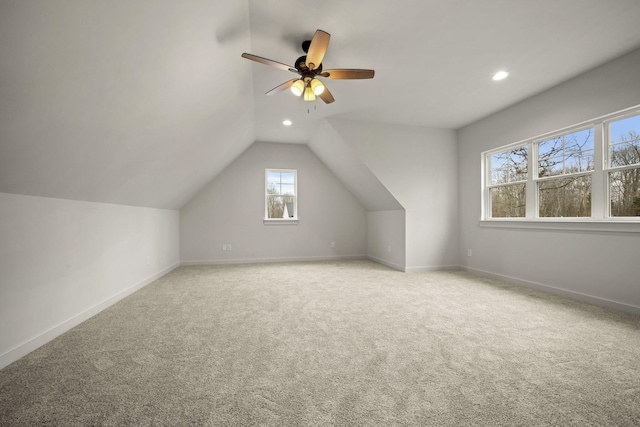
280	221
600	189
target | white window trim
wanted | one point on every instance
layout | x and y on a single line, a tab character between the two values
600	221
281	221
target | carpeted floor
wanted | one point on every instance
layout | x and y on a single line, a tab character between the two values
349	343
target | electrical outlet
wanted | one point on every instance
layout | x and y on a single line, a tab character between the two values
333	244
148	260
389	248
469	252
228	246
224	247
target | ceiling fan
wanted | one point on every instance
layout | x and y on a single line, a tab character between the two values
309	67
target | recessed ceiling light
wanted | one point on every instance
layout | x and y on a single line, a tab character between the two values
500	75
287	122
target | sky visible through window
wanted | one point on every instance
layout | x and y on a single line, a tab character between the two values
281	183
625	138
620	130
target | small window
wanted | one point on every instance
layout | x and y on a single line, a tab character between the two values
624	167
565	163
281	194
508	176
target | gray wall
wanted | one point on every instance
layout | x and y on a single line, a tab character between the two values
230	210
593	265
386	238
62	261
418	166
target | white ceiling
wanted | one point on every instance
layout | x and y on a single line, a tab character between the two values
433	58
142	102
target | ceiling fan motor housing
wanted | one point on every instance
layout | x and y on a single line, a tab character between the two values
301	65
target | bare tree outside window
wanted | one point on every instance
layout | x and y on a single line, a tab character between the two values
568	157
624	158
509	170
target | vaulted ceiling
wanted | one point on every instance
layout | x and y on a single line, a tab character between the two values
142	102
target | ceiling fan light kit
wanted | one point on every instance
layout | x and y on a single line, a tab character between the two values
309	67
298	87
309	95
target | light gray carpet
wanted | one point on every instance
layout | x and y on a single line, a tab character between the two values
347	343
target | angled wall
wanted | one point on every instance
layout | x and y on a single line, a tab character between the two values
418	166
230	210
63	261
598	266
385	215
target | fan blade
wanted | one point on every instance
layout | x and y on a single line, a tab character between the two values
284	86
317	49
326	96
266	61
347	74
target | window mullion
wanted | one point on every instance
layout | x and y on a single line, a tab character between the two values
599	181
530	189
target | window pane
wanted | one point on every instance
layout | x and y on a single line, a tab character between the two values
275	206
287	177
509	166
508	201
565	197
623	154
273	182
281	183
624	189
625	129
280	207
566	154
580	161
624	137
550	148
578	141
287	189
550	166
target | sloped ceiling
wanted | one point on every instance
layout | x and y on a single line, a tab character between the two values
345	164
142	102
129	102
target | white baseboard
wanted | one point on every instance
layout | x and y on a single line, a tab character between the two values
40	340
385	262
590	299
271	260
432	268
320	258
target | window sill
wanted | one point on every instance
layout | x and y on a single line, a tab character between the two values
602	226
280	221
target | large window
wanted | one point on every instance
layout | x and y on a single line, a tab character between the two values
588	172
281	194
